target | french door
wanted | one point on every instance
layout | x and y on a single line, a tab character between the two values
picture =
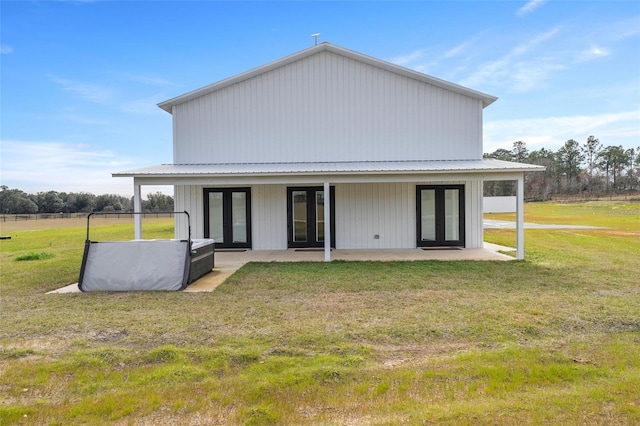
305	216
440	214
227	216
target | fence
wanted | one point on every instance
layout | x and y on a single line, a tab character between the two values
499	204
46	216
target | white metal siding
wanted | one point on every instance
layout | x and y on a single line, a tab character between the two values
189	198
473	214
268	214
327	107
389	210
367	209
362	211
269	217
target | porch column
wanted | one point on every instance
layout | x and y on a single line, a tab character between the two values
520	218
327	222
137	207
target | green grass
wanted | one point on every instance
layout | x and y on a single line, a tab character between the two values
34	256
554	339
621	215
64	247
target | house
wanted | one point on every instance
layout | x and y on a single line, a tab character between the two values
330	148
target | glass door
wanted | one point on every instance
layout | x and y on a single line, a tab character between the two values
440	210
227	213
305	210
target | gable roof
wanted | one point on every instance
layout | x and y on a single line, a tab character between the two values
324	46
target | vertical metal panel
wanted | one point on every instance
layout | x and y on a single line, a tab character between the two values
179	205
189	198
473	214
327	107
269	217
364	210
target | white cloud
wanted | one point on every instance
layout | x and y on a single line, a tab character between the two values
530	7
77	116
552	132
149	80
460	48
91	92
594	52
58	166
624	29
527	76
406	60
527	46
143	106
521	69
5	49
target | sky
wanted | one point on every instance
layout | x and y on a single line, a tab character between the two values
80	80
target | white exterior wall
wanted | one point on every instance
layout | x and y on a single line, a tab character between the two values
268	214
188	198
327	107
269	217
362	211
474	237
366	209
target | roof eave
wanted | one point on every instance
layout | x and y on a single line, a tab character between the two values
326	173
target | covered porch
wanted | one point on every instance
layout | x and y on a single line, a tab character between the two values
397	181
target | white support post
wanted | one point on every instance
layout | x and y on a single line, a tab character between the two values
137	207
327	222
520	219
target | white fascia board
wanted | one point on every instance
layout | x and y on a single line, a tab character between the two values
319	180
328	169
321	174
301	179
485	98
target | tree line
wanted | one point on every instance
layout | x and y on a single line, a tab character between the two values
590	169
15	201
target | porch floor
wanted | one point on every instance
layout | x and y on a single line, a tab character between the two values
227	262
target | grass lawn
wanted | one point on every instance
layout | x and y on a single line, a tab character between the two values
553	339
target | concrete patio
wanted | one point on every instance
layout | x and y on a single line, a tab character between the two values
227	262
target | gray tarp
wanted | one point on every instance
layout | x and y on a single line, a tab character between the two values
136	265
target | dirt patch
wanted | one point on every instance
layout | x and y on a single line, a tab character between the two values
618	233
391	356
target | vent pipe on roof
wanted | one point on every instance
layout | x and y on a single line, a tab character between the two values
315	38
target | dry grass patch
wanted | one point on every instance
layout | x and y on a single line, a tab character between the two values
554	339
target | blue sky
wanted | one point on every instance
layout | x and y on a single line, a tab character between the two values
80	80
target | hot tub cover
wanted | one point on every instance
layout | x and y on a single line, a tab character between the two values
135	265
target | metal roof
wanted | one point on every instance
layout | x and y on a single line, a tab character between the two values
324	46
329	168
